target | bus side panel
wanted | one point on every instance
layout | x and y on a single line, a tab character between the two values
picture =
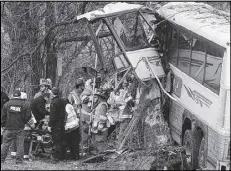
197	99
217	146
175	120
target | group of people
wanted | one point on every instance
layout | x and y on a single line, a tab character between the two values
86	115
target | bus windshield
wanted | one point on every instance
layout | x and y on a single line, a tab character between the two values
130	30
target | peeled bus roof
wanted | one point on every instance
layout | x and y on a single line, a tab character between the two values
110	9
200	18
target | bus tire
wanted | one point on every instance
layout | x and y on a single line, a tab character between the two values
188	144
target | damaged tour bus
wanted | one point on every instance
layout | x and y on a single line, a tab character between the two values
196	42
177	41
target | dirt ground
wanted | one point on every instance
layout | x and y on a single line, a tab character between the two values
127	161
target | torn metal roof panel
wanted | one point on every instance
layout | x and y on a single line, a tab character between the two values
110	9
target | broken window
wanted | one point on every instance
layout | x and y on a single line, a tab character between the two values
149	28
198	58
198	61
173	47
184	52
130	30
107	42
213	68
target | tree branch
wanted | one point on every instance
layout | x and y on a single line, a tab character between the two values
83	38
40	43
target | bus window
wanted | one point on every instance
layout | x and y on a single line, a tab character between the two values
213	68
173	52
184	52
198	61
150	18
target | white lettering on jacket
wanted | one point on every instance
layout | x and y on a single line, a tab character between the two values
15	108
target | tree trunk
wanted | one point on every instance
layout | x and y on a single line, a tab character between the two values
51	54
36	63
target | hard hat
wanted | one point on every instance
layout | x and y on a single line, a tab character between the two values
43	82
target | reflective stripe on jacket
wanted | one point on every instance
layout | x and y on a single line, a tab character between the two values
72	122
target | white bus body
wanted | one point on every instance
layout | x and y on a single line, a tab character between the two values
199	106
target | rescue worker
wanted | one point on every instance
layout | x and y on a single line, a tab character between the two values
27	130
75	100
125	115
72	132
74	96
99	127
4	99
86	96
15	114
38	107
118	101
43	88
57	119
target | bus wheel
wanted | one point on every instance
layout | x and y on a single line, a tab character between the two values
201	155
187	143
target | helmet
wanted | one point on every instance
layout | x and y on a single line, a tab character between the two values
43	82
23	95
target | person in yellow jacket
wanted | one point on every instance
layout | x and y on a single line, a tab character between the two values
76	101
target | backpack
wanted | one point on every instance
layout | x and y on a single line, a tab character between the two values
71	121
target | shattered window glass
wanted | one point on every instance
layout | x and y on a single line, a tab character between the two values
130	30
150	18
213	68
173	47
184	52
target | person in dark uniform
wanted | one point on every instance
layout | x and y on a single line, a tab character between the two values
57	120
15	114
4	99
38	107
